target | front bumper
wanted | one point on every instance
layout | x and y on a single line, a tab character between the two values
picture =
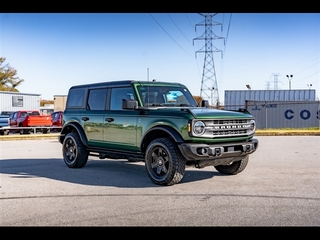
193	151
4	128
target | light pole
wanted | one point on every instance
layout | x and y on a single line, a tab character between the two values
211	95
309	85
289	77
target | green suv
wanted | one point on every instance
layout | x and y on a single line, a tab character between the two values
159	123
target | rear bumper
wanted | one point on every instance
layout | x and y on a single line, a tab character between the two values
192	151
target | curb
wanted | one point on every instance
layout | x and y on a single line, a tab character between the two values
287	133
28	137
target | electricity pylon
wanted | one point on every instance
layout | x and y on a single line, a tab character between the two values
209	86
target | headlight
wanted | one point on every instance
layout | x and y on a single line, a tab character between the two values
252	125
199	128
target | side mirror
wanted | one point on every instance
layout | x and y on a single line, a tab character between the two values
129	104
205	103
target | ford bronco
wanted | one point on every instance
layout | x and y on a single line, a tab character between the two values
159	123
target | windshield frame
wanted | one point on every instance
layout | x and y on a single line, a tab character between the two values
165	96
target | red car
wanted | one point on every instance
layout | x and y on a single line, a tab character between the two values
25	122
56	120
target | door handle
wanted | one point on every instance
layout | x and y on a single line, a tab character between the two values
109	119
85	118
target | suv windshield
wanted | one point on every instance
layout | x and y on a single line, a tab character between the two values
166	96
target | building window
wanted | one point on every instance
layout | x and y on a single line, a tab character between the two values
17	101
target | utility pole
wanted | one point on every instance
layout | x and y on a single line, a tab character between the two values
209	85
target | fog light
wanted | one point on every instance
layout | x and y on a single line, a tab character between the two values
217	151
248	148
202	151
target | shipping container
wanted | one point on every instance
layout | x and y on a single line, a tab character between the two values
235	99
285	114
15	101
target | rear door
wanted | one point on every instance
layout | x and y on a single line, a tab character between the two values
93	117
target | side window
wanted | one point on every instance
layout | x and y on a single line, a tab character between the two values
13	115
97	99
117	94
75	98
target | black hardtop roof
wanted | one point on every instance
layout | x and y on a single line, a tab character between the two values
121	83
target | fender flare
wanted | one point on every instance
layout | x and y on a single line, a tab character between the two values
73	127
169	130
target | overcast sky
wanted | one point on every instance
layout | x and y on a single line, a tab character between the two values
53	51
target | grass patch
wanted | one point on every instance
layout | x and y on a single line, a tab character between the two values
290	129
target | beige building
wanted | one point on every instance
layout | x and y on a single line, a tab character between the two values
59	102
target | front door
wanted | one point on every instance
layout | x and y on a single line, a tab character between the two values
120	131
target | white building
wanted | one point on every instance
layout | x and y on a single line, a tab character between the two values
15	101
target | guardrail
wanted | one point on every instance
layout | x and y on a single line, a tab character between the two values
34	129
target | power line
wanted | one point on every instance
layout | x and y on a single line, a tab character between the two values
179	29
169	34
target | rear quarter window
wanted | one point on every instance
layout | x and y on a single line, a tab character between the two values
76	98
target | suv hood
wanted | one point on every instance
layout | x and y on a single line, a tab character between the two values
216	113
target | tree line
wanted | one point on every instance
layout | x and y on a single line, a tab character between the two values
9	82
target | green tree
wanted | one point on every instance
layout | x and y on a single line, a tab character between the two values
8	80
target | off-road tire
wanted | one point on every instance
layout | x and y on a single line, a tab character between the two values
234	168
164	163
74	152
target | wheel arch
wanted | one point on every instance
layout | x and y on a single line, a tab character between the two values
73	127
160	131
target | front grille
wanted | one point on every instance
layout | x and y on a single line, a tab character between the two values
227	127
225	122
234	132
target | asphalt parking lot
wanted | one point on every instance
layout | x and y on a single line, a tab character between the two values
279	187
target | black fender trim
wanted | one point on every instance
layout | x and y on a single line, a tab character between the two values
72	127
169	130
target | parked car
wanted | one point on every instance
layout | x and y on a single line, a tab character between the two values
4	123
27	121
56	118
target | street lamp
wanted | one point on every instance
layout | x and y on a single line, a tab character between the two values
309	85
289	77
211	96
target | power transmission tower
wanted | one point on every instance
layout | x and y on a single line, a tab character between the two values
209	85
268	85
275	76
